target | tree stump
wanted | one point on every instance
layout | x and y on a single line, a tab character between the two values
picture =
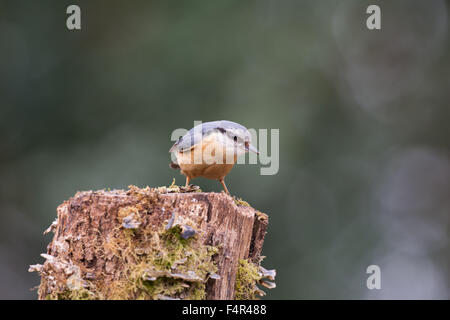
154	243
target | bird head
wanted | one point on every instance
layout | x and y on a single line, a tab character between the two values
237	137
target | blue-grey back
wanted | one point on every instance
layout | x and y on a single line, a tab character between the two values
196	134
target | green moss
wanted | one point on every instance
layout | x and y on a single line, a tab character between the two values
246	279
241	202
174	188
79	294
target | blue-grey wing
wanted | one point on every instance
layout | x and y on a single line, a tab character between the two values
192	137
186	142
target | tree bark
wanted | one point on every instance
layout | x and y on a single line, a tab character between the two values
103	239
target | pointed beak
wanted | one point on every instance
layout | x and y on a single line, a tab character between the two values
249	147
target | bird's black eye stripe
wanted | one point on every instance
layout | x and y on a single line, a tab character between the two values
235	138
222	130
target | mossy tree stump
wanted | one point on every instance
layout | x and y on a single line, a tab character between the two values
154	243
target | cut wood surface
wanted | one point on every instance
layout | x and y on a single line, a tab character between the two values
102	237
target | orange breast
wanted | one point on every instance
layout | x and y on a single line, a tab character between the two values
200	160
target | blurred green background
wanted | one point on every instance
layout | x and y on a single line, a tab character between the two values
363	117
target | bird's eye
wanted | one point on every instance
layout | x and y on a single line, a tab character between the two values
235	138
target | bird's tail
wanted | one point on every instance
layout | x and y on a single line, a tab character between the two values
174	165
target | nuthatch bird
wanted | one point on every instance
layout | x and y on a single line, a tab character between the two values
211	149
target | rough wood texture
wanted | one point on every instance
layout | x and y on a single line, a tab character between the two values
87	219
